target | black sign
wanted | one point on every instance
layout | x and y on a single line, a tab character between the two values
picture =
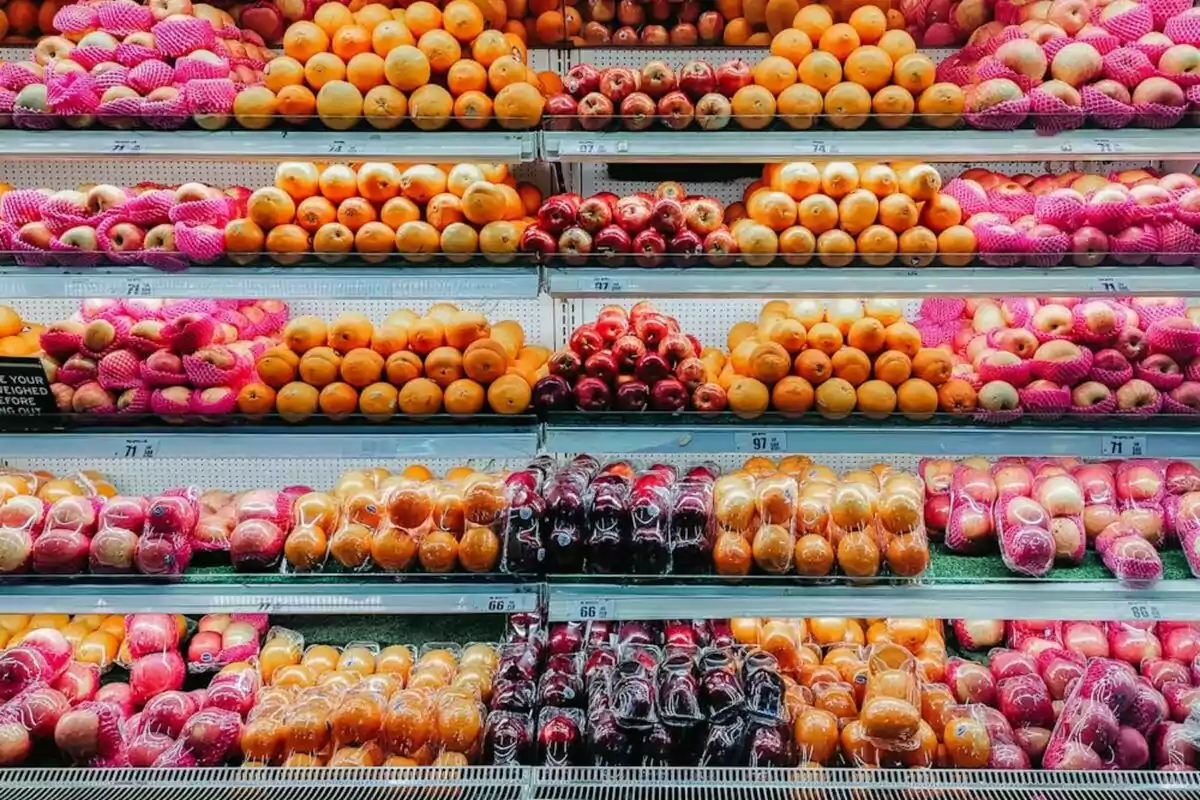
24	389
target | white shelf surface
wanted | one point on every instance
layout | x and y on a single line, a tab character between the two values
297	594
966	145
244	145
383	441
283	283
712	282
1101	600
870	438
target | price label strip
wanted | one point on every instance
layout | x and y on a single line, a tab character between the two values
593	608
760	442
1145	612
602	284
1109	286
142	447
1123	446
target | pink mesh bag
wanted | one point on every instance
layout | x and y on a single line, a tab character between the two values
999	245
969	199
1172	406
1183	29
200	212
1105	111
1065	211
931	332
235	318
272	321
1016	374
150	75
141	308
195	69
72	93
120	325
1081	332
1177	242
174	403
1185	80
16	77
121	113
190	332
1045	251
119	370
1164	10
150	208
1052	46
1002	417
203	374
1128	67
1012	205
1158	115
248	36
178	37
215	401
1192	371
26	255
7	98
1019	309
88	57
60	344
1128	26
1027	550
164	114
1112	217
174	309
130	55
75	373
989	68
135	400
1149	409
1046	404
200	243
144	346
104	236
1162	381
955	69
76	19
1065	373
60	215
1100	39
32	120
22	206
1001	117
122	19
213	96
1101	409
1133	561
1135	250
161	379
1152	51
69	255
117	76
1178	337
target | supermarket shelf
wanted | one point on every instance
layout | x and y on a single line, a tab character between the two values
737	145
373	441
341	783
1098	600
298	594
866	437
269	145
283	283
706	282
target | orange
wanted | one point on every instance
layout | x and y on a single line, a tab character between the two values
372	15
421	17
296	104
378	181
893	107
397	211
350	331
420	397
466	75
519	106
331	16
897	44
851	365
287	239
917	398
775	73
314	212
893	367
270	206
354	212
505	71
444	366
818	213
820	70
417	240
442	210
857	210
430	107
303	40
956	246
870	22
813	20
375	237
914	72
283	71
797	244
323	68
384	107
338	182
473	110
940	212
753	107
441	49
333	238
918	246
898	212
241	236
389	35
550	27
338	400
941	105
967	743
365	71
464	397
407	68
463	20
791	44
748	397
839	40
378	401
296	401
835	248
489	46
878	245
847	105
869	67
509	394
339	105
349	41
799	105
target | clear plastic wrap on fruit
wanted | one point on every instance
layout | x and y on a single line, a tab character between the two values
970	682
764	687
1005	663
508	739
1087	732
211	736
609	523
175	511
1161	671
152	674
1025	701
890	714
524	545
1059	669
971	527
561	682
1129	557
167	713
721	687
560	738
979	634
89	733
650	536
234	691
566	517
1086	638
1027	549
221	641
678	690
725	743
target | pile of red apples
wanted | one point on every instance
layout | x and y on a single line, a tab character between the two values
1115	62
594	97
148	224
172	358
1052	356
1132	217
123	65
608	229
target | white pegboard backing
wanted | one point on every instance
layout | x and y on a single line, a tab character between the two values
16	53
594	178
534	314
709	320
146	476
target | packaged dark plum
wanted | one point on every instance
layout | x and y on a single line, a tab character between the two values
527	627
678	697
524	545
561	737
692	526
634	687
638	632
721	685
768	746
508	739
650	505
566	637
608	744
563	527
560	684
686	636
764	688
725	743
600	632
609	523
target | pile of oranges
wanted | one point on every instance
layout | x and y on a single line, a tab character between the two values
366	706
447	360
803	517
865	67
843	358
838	211
96	638
419	63
868	693
18	337
393	522
375	209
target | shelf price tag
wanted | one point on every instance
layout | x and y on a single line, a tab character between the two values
1123	446
1109	286
1104	145
125	146
499	604
760	442
593	608
590	147
144	447
602	284
818	147
1146	612
138	288
342	147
